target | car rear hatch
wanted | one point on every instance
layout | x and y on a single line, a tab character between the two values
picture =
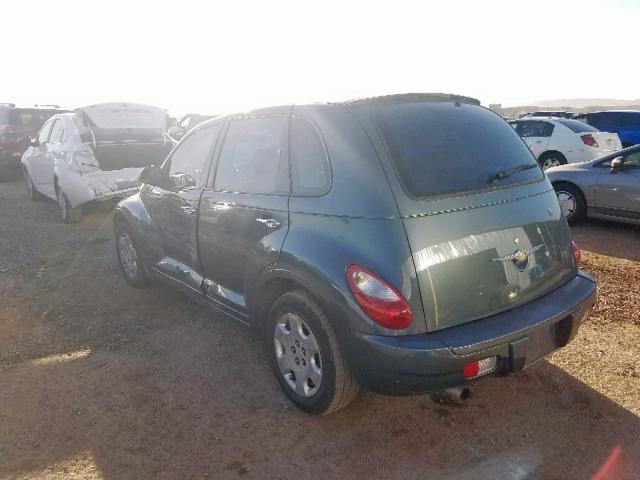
483	223
124	135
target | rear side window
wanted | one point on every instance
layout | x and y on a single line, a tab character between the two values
310	170
528	129
577	127
189	162
57	132
441	149
252	158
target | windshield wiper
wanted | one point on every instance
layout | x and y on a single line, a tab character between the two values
507	173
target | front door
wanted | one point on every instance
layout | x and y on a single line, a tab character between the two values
176	205
619	193
244	213
536	134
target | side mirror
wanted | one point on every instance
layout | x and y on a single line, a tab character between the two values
616	165
182	180
151	175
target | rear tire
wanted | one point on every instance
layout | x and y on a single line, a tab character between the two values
304	351
572	202
551	159
67	214
129	258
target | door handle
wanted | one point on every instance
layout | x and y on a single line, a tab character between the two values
188	209
269	222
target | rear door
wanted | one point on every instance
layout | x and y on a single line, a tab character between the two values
619	193
243	215
536	134
175	207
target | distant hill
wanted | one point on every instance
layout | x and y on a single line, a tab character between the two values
586	102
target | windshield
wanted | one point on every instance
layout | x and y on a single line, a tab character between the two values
447	148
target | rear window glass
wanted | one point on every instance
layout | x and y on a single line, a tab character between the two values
441	148
577	126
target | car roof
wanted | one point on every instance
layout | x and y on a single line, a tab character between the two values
408	98
610	111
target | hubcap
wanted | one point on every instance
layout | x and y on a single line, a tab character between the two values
298	355
128	255
567	203
550	162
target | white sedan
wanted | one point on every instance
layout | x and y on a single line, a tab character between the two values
558	141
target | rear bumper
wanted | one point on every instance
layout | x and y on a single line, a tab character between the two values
435	361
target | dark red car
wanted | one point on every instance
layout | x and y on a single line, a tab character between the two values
17	125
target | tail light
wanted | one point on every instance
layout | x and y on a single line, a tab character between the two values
480	367
379	299
576	253
589	140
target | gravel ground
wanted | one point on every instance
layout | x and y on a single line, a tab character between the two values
99	380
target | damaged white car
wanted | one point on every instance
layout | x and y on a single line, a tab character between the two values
94	154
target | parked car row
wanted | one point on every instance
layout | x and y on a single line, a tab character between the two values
406	243
624	123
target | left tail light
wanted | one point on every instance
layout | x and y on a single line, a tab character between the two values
379	299
589	140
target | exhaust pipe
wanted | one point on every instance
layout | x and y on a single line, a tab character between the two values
458	394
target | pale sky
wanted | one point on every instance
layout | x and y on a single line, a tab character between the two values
212	57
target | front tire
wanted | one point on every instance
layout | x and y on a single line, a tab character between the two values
129	259
306	355
551	159
572	202
67	214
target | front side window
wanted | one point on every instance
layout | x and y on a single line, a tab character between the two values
310	170
189	162
444	148
56	132
252	158
43	136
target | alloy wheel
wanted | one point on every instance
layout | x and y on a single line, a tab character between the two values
568	203
298	355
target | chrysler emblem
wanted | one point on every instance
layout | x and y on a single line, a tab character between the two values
520	257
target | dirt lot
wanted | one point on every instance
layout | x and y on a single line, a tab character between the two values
99	380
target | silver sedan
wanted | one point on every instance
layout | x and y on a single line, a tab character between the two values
608	187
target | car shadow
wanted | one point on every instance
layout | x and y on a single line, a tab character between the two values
608	238
196	399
